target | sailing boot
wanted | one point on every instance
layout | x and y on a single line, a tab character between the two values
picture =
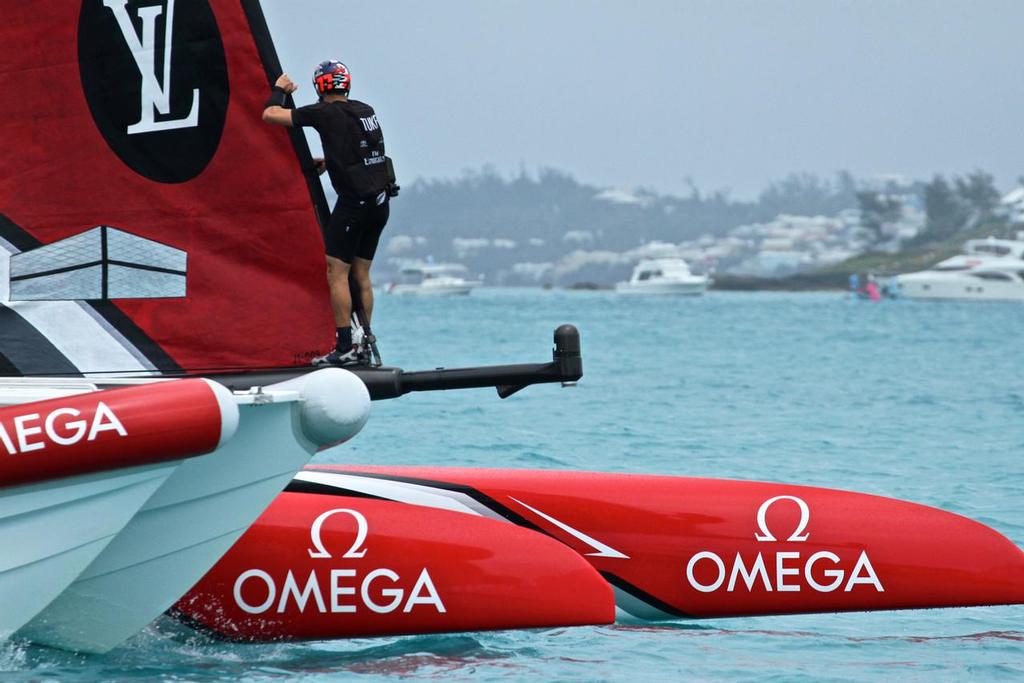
340	358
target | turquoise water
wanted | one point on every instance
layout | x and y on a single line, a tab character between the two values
922	401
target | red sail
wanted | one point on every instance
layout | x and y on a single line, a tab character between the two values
149	219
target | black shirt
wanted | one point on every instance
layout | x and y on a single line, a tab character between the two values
353	145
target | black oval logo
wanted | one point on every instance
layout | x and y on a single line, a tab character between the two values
156	81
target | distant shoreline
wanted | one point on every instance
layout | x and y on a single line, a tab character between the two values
804	282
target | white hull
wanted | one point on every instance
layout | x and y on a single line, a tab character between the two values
420	290
959	287
664	277
663	288
51	531
988	270
200	511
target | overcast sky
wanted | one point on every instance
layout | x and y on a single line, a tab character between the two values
730	93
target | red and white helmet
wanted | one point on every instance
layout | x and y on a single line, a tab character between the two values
332	77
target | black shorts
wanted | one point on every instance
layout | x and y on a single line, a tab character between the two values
354	231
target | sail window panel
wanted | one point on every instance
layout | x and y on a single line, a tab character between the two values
80	250
136	283
123	246
69	285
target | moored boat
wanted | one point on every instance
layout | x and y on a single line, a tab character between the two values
987	270
438	279
664	276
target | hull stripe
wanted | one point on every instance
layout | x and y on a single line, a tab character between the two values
27	351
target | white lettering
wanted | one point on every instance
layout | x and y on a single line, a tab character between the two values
77	427
835	574
268	582
863	563
155	94
6	439
292	588
337	590
758	569
705	588
788	565
111	424
395	594
782	571
380	599
432	598
370	123
23	432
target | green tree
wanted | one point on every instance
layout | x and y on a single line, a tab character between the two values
945	213
978	192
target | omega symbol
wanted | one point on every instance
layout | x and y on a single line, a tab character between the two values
762	523
318	551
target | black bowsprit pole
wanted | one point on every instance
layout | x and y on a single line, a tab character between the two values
565	368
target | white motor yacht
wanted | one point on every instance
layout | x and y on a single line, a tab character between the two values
988	270
440	279
664	276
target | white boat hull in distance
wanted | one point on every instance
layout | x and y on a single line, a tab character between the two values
959	286
987	270
435	290
664	276
695	288
201	510
434	279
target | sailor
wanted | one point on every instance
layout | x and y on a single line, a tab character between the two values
363	178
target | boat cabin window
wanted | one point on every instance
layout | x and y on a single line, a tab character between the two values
648	274
949	268
992	276
997	249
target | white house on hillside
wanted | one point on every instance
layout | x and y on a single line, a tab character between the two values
1013	204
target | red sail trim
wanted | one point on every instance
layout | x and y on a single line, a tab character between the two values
256	292
107	430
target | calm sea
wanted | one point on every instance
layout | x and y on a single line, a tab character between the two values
921	401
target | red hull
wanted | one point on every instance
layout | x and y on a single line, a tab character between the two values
106	430
317	566
672	547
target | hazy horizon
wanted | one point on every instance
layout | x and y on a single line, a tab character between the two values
731	95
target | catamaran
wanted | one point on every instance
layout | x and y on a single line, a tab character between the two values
161	295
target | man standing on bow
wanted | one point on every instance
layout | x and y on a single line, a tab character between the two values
364	180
